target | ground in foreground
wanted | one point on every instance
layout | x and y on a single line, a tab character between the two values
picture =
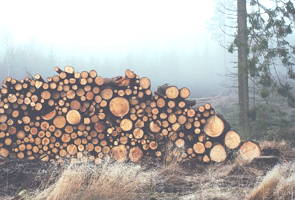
270	177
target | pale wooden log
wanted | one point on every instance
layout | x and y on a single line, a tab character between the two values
135	154
130	74
249	150
180	143
107	93
172	92
214	126
155	127
72	149
119	106
4	152
59	121
218	153
199	148
119	153
126	124
145	83
232	139
184	93
73	117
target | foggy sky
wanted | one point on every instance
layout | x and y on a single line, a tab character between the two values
168	41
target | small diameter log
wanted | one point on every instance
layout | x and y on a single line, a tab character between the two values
69	69
172	92
138	133
135	154
232	139
145	83
107	93
130	74
119	106
73	117
126	124
199	148
4	152
119	153
49	116
72	149
214	126
218	153
249	150
154	127
180	143
59	121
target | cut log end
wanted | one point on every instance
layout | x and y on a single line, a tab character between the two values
214	126
126	124
172	92
73	117
59	121
232	139
4	152
135	154
119	106
50	115
218	153
145	83
249	150
184	93
180	143
119	153
199	148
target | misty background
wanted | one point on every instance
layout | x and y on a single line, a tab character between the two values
175	42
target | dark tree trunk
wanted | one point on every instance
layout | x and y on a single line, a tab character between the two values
242	66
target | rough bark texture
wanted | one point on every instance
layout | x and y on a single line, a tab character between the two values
242	66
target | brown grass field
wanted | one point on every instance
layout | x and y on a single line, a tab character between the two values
272	177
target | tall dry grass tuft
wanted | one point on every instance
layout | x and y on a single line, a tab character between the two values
110	181
279	183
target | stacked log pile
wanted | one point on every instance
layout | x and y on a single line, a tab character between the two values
85	116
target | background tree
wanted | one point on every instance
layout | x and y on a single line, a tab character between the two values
242	44
269	50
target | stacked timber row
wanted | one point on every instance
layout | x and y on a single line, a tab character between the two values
85	116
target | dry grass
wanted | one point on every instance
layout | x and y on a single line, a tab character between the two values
110	181
230	181
279	183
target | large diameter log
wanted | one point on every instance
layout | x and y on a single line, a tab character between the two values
119	106
218	153
135	154
119	153
73	117
172	92
214	126
249	150
232	139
